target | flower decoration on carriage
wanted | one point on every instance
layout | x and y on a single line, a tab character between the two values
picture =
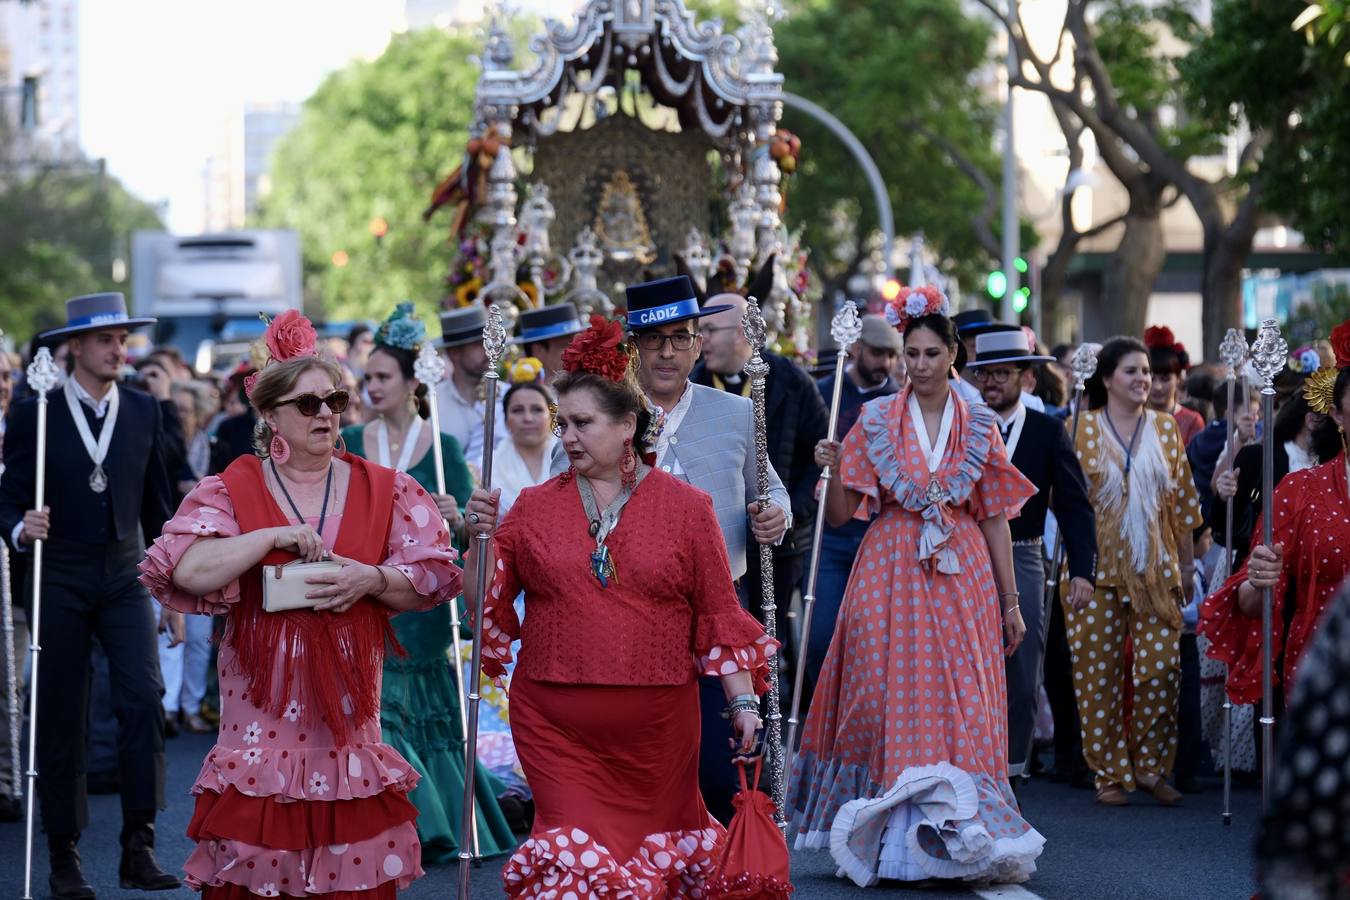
403	329
1305	360
290	335
911	303
524	370
1320	388
599	349
786	150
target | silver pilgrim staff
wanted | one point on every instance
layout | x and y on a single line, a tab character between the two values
846	329
430	370
494	344
11	673
1270	353
1084	364
42	378
1233	352
758	370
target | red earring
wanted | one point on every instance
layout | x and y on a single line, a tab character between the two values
279	450
628	465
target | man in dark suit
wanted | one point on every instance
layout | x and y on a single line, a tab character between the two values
107	487
1039	447
796	417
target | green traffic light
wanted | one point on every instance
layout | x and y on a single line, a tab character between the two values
1020	300
996	284
1020	265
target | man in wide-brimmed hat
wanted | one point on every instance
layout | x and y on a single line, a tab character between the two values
107	485
459	394
1039	447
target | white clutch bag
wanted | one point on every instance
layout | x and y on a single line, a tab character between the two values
284	586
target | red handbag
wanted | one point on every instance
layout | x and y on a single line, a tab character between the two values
754	864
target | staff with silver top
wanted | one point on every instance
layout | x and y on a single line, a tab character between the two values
758	370
494	344
430	370
1270	352
1233	352
846	329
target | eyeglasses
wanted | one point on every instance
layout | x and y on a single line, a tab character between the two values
997	376
308	404
654	340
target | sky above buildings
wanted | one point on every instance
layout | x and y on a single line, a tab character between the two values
159	77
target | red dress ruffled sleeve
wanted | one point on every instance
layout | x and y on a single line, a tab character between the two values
1235	637
419	545
206	512
856	471
501	625
1001	487
726	639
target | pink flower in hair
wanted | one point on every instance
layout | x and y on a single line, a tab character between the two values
290	335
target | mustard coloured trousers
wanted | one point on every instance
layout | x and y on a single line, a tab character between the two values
1097	641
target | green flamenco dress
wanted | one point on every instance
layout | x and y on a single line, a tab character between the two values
419	703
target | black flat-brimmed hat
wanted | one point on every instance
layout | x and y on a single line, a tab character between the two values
548	322
974	322
1004	344
95	312
462	326
664	301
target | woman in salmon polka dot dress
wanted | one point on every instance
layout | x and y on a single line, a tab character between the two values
1140	484
903	768
1307	561
299	796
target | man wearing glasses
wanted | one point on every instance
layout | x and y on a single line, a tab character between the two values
709	441
1039	447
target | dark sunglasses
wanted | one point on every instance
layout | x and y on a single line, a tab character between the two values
308	404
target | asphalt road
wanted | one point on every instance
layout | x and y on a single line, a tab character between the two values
1141	852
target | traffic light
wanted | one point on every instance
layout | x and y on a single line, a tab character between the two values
1021	299
996	284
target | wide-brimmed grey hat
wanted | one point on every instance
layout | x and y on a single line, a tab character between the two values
547	322
462	326
1006	344
95	312
879	334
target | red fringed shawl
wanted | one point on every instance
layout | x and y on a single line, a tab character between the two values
332	659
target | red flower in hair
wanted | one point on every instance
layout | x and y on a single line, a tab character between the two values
598	350
290	335
1159	336
1340	344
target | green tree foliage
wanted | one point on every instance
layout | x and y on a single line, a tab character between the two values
372	142
61	226
901	75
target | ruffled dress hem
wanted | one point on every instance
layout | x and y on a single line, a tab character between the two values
569	862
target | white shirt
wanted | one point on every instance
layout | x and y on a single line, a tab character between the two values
463	420
673	420
100	407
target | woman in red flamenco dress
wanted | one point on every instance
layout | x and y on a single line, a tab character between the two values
299	796
628	596
1307	560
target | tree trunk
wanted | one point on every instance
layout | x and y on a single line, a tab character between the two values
1054	274
1132	272
1225	256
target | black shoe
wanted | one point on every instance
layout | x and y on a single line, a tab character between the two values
138	869
11	810
171	724
67	880
1188	784
103	782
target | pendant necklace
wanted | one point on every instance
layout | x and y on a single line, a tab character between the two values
1130	447
97	450
323	510
933	453
602	525
409	444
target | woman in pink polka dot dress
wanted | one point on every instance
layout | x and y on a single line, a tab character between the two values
299	796
903	771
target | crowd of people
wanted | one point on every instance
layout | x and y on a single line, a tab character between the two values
282	555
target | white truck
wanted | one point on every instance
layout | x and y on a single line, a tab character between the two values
207	290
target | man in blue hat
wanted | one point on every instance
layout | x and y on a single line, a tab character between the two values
459	395
108	492
544	333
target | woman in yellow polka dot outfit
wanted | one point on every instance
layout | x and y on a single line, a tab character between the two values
1141	487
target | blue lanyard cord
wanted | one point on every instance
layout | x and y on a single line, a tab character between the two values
1134	439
